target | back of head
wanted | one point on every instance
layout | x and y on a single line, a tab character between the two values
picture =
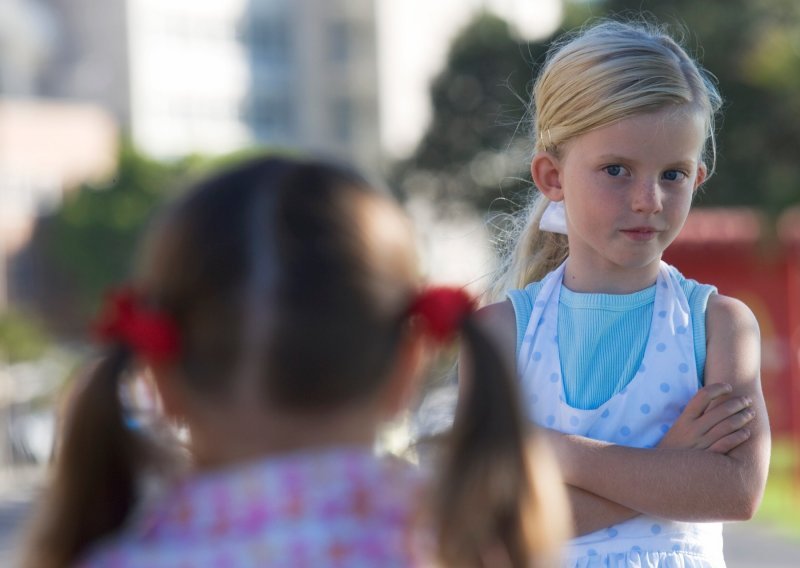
290	286
293	283
286	282
602	74
263	267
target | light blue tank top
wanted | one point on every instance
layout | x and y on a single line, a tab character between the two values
602	337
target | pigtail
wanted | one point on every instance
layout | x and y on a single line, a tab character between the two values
532	253
495	505
490	502
93	485
102	451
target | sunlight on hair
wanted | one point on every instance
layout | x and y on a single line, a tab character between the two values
387	228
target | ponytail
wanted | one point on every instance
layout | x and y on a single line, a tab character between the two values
493	504
531	254
93	488
100	454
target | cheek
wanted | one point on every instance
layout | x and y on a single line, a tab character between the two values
680	202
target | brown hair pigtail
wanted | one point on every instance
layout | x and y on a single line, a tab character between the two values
93	487
492	499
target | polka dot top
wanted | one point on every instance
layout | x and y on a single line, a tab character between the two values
603	336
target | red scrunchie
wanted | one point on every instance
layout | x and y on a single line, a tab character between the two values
148	332
442	310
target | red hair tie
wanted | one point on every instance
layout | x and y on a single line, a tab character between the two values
148	332
443	310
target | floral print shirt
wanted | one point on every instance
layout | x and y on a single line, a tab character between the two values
338	507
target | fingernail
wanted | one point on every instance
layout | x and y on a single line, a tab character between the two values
747	400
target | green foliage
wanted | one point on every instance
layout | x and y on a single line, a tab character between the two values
92	237
88	245
780	506
22	338
475	148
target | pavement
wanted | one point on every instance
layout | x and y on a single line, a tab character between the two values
747	545
18	490
755	545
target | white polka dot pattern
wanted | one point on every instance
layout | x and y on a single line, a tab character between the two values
638	416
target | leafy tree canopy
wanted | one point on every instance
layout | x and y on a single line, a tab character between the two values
476	147
88	244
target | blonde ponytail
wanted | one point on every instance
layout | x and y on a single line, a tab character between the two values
531	254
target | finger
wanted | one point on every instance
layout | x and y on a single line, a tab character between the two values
704	397
729	425
724	410
731	441
717	401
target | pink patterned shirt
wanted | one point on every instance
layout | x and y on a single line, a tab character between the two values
338	507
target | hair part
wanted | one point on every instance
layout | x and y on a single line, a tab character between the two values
290	284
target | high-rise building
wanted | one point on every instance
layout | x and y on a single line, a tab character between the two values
204	76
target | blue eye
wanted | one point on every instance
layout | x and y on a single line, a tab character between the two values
673	175
613	170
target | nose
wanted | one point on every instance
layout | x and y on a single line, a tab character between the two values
647	197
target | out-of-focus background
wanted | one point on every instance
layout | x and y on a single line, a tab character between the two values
108	107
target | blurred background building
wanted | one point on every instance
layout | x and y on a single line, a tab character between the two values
211	77
202	77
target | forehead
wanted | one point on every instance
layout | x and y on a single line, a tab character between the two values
672	134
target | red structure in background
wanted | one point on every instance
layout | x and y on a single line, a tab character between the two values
736	251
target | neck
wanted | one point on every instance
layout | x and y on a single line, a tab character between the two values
226	437
610	281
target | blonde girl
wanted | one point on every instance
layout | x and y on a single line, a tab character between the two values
648	381
279	310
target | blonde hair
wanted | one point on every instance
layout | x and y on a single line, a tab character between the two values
602	74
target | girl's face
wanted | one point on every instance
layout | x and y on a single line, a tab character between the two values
627	188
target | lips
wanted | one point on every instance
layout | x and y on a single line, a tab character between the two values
640	233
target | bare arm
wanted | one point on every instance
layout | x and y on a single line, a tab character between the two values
690	484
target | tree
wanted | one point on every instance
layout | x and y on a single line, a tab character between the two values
476	146
87	244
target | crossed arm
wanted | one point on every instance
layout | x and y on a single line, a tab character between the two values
710	466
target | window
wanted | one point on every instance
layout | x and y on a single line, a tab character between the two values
342	120
339	42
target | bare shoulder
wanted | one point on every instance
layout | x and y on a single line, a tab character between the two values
499	322
733	341
729	317
499	314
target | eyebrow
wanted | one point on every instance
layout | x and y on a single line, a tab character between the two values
613	158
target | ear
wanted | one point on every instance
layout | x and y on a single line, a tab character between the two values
546	174
404	377
702	173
